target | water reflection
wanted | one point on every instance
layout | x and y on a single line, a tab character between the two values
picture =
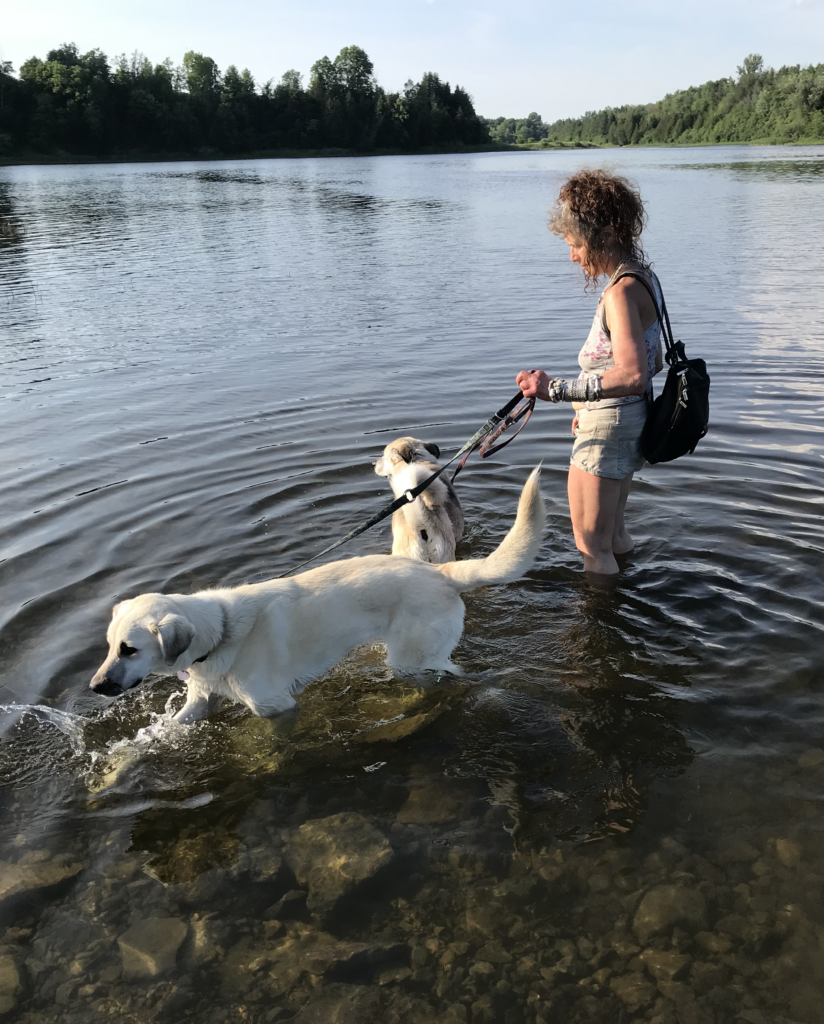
11	231
778	169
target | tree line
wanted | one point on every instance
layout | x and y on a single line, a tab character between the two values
759	105
81	104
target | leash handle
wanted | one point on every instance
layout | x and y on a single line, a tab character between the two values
486	446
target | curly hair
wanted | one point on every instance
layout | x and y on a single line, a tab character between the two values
605	212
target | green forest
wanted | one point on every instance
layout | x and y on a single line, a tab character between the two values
76	105
84	106
759	105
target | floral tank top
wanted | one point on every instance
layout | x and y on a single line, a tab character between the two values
596	355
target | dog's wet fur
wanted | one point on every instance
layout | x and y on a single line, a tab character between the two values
429	528
260	644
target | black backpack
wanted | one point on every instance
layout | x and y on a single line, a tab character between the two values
679	417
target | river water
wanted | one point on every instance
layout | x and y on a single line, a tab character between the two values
617	815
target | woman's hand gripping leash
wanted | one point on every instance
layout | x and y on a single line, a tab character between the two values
537	384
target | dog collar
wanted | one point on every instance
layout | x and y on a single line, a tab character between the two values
183	674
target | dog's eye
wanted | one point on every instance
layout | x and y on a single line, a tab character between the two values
126	651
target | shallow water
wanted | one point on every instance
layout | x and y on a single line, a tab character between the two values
200	363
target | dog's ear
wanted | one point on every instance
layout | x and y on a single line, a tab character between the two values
432	448
406	449
175	634
381	467
119	608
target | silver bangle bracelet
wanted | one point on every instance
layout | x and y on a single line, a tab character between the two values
584	389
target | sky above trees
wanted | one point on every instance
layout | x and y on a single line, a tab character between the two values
513	56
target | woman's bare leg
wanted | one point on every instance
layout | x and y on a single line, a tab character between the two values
622	543
596	505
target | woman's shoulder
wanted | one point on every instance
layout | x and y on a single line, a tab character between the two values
629	289
628	281
628	292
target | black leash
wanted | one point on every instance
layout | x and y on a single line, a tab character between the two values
477	440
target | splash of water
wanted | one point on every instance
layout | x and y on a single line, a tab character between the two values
119	759
71	725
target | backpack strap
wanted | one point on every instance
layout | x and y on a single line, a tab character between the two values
673	354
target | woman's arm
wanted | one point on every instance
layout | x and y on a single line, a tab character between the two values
630	374
626	303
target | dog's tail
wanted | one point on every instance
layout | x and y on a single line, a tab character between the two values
516	552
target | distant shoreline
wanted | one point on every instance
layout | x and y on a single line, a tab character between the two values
537	146
47	159
64	159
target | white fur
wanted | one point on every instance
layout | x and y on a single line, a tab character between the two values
429	528
264	642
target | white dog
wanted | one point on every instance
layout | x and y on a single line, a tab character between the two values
259	644
430	527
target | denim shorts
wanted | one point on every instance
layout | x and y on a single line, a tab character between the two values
608	441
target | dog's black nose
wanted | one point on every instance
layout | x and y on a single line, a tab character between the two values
107	687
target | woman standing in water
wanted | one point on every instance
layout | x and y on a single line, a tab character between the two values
600	216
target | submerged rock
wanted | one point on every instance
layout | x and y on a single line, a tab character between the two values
9	983
713	943
67	933
332	856
633	990
208	939
737	853
665	966
433	802
707	976
290	906
264	864
149	948
361	1004
813	758
393	975
666	906
486	913
349	956
788	852
393	731
493	953
16	880
299	953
